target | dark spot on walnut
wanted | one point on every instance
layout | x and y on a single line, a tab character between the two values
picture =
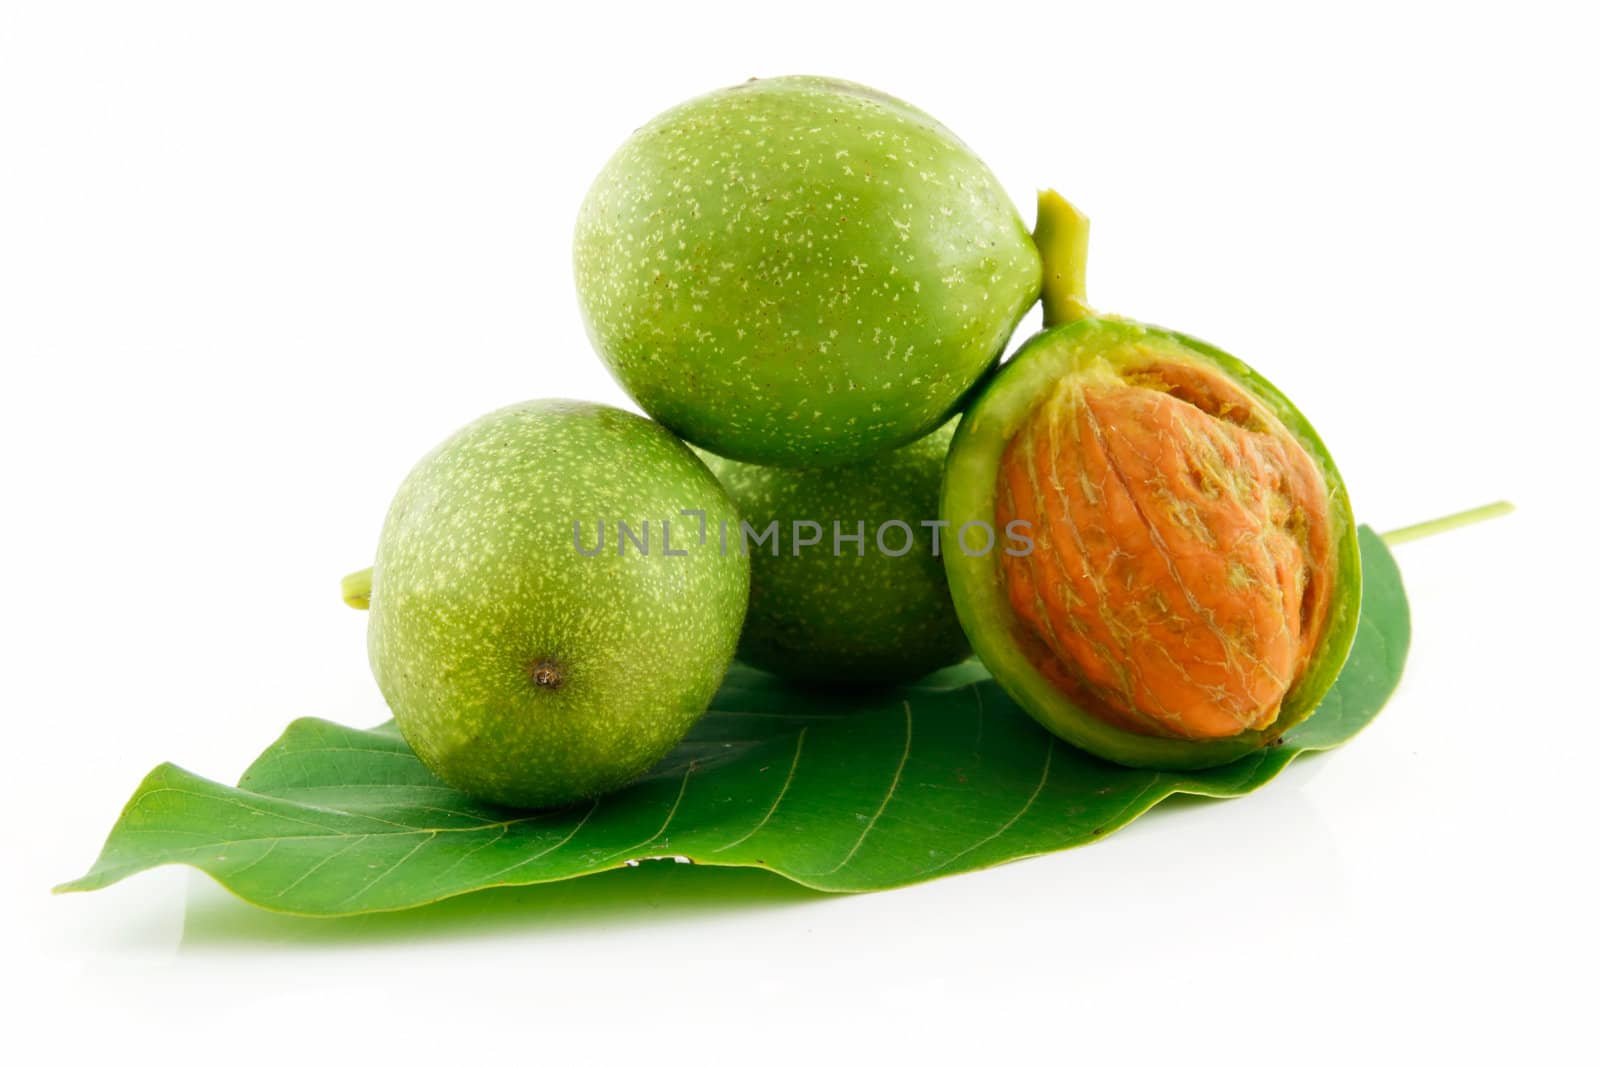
546	674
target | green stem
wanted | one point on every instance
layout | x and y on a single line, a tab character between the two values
1061	234
357	589
1448	522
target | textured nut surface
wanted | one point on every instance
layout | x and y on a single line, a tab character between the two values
1184	554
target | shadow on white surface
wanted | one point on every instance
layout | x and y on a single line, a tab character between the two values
652	892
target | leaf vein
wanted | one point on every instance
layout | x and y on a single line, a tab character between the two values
541	854
893	785
1049	754
314	868
683	787
364	890
799	743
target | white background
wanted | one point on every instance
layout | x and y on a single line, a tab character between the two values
255	259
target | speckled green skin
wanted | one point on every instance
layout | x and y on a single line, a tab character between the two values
478	589
851	619
799	271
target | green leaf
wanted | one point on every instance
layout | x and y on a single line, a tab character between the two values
841	794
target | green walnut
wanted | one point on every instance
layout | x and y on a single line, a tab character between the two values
545	625
800	271
1192	583
846	587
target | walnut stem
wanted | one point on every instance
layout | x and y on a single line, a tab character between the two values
357	589
1061	234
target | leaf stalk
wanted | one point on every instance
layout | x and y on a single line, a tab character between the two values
1446	523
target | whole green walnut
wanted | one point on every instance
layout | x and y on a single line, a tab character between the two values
532	653
866	602
800	271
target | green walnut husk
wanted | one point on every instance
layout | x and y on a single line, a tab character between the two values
532	657
800	271
872	608
1119	648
